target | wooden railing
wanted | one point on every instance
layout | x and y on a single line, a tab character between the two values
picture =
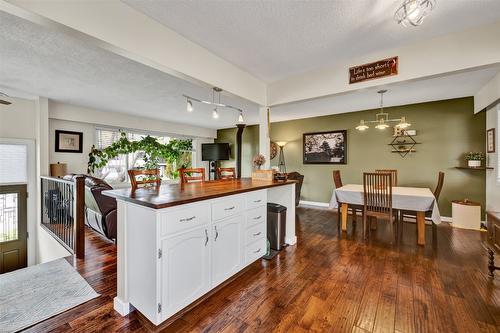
63	212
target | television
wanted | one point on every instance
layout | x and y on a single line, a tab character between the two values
214	151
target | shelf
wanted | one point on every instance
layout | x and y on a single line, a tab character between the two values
403	143
469	168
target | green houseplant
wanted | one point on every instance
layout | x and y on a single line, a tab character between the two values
154	151
474	159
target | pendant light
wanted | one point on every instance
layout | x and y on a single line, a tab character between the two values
240	117
413	12
215	113
189	106
216	92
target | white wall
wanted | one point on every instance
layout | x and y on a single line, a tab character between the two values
492	186
77	162
488	94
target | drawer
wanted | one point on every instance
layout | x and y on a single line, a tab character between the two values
256	216
227	206
255	233
179	219
256	199
255	250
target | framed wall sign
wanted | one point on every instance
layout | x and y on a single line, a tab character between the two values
325	147
373	70
69	142
490	140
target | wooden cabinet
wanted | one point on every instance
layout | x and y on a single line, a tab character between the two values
185	269
226	249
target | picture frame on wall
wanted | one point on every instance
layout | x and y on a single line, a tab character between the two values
490	140
325	147
69	142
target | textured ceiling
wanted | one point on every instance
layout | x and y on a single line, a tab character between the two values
40	61
275	39
418	91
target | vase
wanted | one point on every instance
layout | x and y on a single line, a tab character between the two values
474	163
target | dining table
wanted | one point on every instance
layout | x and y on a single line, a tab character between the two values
417	199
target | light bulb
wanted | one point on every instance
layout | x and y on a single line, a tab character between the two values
362	126
189	106
240	117
403	123
381	125
215	113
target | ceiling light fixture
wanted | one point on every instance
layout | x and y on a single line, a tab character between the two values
382	118
215	112
3	101
189	106
413	12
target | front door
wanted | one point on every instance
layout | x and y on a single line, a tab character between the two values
13	227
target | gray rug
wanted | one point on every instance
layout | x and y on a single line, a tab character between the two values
36	293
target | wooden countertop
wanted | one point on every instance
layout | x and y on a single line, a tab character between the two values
176	194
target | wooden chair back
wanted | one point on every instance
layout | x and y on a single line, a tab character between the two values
377	192
439	186
393	172
336	179
188	177
226	173
150	176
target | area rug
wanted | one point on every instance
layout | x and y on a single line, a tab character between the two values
33	294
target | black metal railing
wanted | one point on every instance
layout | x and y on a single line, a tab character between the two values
63	203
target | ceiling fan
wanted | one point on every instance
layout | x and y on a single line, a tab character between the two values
2	100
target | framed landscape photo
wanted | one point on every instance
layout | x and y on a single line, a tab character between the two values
69	142
325	147
490	137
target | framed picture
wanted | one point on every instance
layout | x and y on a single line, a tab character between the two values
69	142
325	147
490	137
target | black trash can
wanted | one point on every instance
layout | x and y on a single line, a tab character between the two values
276	225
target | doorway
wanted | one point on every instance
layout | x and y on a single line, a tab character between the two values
13	227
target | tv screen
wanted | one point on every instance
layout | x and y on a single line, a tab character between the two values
214	151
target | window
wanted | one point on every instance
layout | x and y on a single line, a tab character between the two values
116	170
13	163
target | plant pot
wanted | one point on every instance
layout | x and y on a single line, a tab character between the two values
474	163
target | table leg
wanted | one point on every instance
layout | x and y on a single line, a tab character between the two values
343	212
421	228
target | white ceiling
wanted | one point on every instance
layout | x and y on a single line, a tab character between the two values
276	39
41	61
417	91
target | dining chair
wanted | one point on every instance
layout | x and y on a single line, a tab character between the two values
377	194
298	185
393	172
353	210
226	173
188	177
150	176
437	192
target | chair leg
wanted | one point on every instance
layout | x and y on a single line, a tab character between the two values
354	215
364	226
339	218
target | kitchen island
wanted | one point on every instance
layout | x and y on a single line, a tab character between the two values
178	243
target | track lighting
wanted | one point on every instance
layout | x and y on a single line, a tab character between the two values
240	117
189	106
216	92
215	113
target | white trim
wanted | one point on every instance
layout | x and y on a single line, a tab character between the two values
314	203
32	195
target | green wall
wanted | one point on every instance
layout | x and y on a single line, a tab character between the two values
250	141
446	129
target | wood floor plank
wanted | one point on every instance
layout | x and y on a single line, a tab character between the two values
326	283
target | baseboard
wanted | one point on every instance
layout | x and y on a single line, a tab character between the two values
314	203
123	308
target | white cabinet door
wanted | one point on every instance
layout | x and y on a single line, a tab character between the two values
185	269
226	249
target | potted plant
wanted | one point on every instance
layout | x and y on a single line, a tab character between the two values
474	159
258	161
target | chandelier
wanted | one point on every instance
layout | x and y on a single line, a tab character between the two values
382	118
215	112
413	12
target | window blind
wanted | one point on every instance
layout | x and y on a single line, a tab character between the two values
13	163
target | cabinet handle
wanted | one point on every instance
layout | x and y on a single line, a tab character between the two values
187	219
257	234
230	208
206	237
216	234
258	217
257	251
257	200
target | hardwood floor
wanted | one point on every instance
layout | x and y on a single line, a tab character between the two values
324	284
